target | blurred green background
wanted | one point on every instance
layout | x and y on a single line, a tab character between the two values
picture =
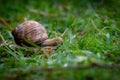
91	48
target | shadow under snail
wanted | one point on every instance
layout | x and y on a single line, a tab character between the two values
34	32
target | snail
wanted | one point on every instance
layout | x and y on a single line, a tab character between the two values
34	32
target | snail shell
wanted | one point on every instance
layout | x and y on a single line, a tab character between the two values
30	30
34	32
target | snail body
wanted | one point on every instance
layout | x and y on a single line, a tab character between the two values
33	32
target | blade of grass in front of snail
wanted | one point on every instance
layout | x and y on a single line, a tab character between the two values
32	43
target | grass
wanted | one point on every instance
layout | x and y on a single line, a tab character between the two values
91	46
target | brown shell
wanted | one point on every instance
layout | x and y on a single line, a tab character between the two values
29	30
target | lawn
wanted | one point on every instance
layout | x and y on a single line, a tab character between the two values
91	48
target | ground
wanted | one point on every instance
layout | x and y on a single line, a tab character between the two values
91	48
